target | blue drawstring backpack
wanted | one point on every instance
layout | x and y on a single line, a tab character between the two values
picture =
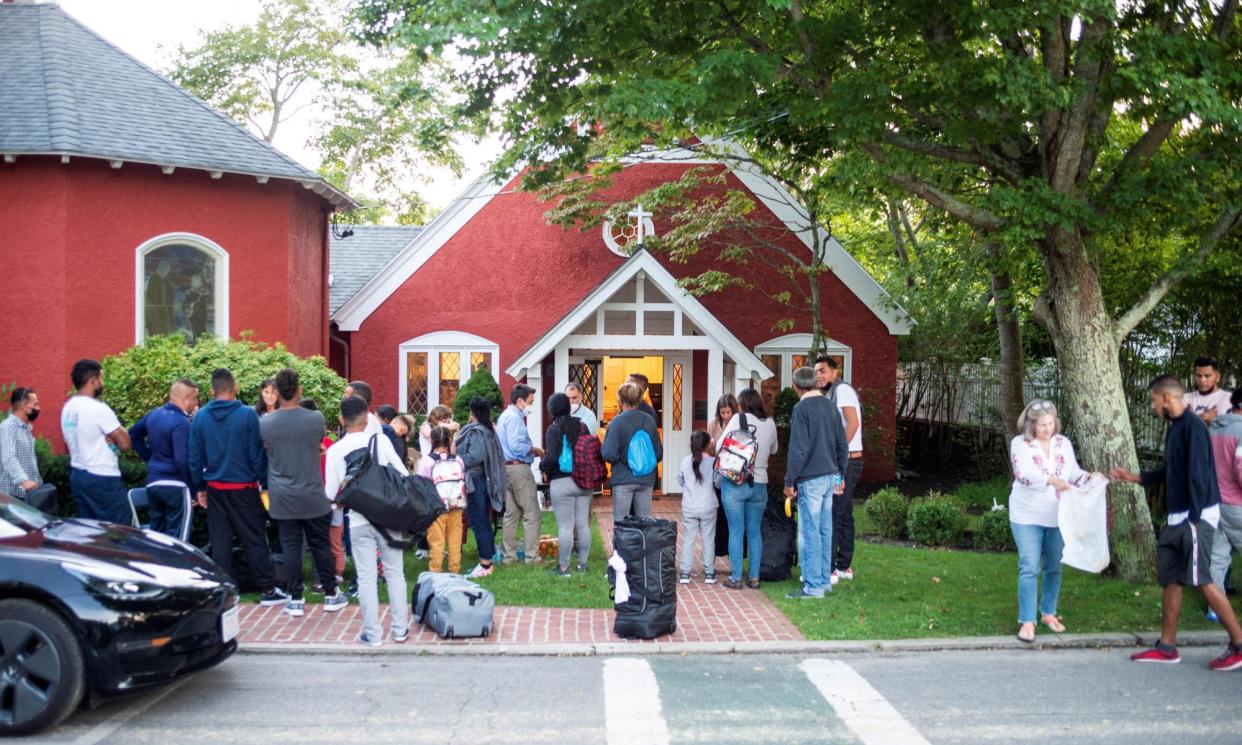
566	462
640	454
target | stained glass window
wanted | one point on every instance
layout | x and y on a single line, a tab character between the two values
480	359
770	388
416	382
179	292
450	377
677	393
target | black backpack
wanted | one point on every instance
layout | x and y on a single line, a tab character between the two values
780	537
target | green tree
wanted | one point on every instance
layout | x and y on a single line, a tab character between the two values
378	118
481	383
1052	128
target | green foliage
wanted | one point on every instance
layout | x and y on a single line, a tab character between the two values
936	520
992	532
137	380
786	400
481	383
983	494
887	509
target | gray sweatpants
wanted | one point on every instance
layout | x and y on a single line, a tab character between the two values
365	540
1228	539
572	506
693	525
626	495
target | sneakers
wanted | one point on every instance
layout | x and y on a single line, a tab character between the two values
1212	617
296	607
335	601
803	595
684	578
1230	660
733	584
364	639
275	596
1158	653
421	554
401	636
581	567
709	579
480	571
846	574
835	577
561	571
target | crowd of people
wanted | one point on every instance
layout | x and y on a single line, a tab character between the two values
277	460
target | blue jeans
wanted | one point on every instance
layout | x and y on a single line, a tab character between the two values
743	506
1037	547
100	497
815	534
478	502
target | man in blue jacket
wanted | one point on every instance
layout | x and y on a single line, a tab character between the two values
227	465
162	438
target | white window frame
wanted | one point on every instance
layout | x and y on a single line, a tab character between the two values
790	344
201	243
433	344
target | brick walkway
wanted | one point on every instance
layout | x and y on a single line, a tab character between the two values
704	613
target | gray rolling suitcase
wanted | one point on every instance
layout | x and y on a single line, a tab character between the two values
426	586
459	609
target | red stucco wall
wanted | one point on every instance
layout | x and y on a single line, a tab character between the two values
69	247
508	276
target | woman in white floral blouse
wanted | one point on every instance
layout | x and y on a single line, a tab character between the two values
1043	466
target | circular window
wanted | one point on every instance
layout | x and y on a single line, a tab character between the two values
623	238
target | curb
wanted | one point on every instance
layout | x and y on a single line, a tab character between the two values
622	649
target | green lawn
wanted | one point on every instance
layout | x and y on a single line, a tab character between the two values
905	592
514	584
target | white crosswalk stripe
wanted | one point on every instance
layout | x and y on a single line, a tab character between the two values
872	718
632	711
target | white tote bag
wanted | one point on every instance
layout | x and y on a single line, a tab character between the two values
1083	518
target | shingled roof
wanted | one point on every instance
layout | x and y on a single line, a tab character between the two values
358	258
65	90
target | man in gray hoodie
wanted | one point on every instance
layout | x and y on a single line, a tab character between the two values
818	454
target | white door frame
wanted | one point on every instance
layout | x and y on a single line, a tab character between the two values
676	442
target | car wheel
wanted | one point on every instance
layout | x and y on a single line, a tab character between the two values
42	675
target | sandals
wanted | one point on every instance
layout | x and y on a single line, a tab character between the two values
1053	623
1026	637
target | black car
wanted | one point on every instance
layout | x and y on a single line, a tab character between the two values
94	609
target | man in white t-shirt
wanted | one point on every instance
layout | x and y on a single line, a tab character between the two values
1208	400
828	378
93	433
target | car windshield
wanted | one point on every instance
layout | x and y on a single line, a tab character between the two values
19	518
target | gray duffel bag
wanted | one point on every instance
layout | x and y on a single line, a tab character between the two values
453	606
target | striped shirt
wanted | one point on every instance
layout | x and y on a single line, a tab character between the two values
17	456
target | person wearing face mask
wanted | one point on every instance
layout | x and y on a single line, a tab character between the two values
19	469
94	434
521	502
1184	547
162	439
1044	467
579	411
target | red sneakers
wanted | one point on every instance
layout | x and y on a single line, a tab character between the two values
1156	654
1230	660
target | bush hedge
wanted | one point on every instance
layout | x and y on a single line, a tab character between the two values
481	383
936	520
137	380
992	533
887	510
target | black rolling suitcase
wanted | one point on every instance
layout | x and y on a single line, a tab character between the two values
649	548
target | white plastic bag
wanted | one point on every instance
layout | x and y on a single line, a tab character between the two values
1083	517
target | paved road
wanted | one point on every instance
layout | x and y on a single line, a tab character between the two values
1065	696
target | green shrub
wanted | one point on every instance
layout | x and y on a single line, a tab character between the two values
137	380
481	383
887	510
992	532
982	493
55	470
936	520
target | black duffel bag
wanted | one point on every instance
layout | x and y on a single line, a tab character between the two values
780	537
42	498
649	548
388	499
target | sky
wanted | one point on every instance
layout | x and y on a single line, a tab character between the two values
151	30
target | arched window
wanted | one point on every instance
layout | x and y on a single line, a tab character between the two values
181	286
784	354
433	367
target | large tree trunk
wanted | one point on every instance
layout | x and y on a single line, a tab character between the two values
1012	362
1087	350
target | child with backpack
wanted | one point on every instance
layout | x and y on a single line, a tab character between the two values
575	470
448	473
632	448
698	507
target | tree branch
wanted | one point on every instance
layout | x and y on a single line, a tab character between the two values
1229	219
997	165
1139	152
976	216
1072	134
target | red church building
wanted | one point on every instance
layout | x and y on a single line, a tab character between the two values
490	283
131	208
